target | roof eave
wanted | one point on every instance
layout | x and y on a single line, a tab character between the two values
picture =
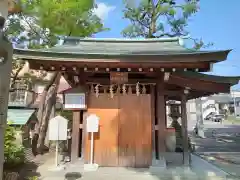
223	55
233	80
210	56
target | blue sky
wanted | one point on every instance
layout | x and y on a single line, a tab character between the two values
216	22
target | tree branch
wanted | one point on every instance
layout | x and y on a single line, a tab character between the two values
138	20
37	33
169	35
15	78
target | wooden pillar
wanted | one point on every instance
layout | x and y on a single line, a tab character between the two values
184	130
75	136
153	118
161	117
84	133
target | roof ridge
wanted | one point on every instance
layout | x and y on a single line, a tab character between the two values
129	40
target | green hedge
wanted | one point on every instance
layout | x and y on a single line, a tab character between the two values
13	153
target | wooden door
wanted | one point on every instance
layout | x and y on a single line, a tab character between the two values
135	141
124	138
106	140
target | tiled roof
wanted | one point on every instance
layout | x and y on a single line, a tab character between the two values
113	48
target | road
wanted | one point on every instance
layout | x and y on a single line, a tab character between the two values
221	148
219	138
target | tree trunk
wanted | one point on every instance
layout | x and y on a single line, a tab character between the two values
48	100
52	115
41	105
14	78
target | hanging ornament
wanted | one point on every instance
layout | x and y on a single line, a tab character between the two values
124	89
97	90
137	89
111	91
92	88
130	90
144	90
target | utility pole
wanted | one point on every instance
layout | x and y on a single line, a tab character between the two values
234	103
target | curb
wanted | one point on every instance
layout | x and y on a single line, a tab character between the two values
217	169
208	153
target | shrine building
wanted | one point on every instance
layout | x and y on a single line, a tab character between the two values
127	83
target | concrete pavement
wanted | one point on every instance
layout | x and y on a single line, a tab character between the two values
221	148
218	138
229	162
200	170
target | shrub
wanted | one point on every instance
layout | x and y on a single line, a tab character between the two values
13	153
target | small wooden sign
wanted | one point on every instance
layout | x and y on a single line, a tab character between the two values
119	77
74	101
92	123
58	128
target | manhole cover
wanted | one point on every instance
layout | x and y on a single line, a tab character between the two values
73	176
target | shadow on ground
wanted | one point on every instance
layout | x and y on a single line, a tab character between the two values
29	170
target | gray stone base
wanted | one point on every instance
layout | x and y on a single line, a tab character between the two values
173	158
201	133
158	165
90	167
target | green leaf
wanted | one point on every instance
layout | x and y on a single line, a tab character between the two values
42	21
172	12
145	15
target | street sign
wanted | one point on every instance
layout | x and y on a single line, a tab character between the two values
92	123
58	128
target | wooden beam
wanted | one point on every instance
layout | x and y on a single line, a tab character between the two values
194	84
186	159
173	93
106	81
69	79
198	85
101	65
161	116
75	136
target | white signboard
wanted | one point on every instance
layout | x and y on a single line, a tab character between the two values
92	123
58	128
75	101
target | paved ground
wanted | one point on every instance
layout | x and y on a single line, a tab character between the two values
221	147
141	174
200	170
228	162
224	140
219	138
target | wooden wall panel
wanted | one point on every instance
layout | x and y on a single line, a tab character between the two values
135	142
106	140
144	132
127	130
125	136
